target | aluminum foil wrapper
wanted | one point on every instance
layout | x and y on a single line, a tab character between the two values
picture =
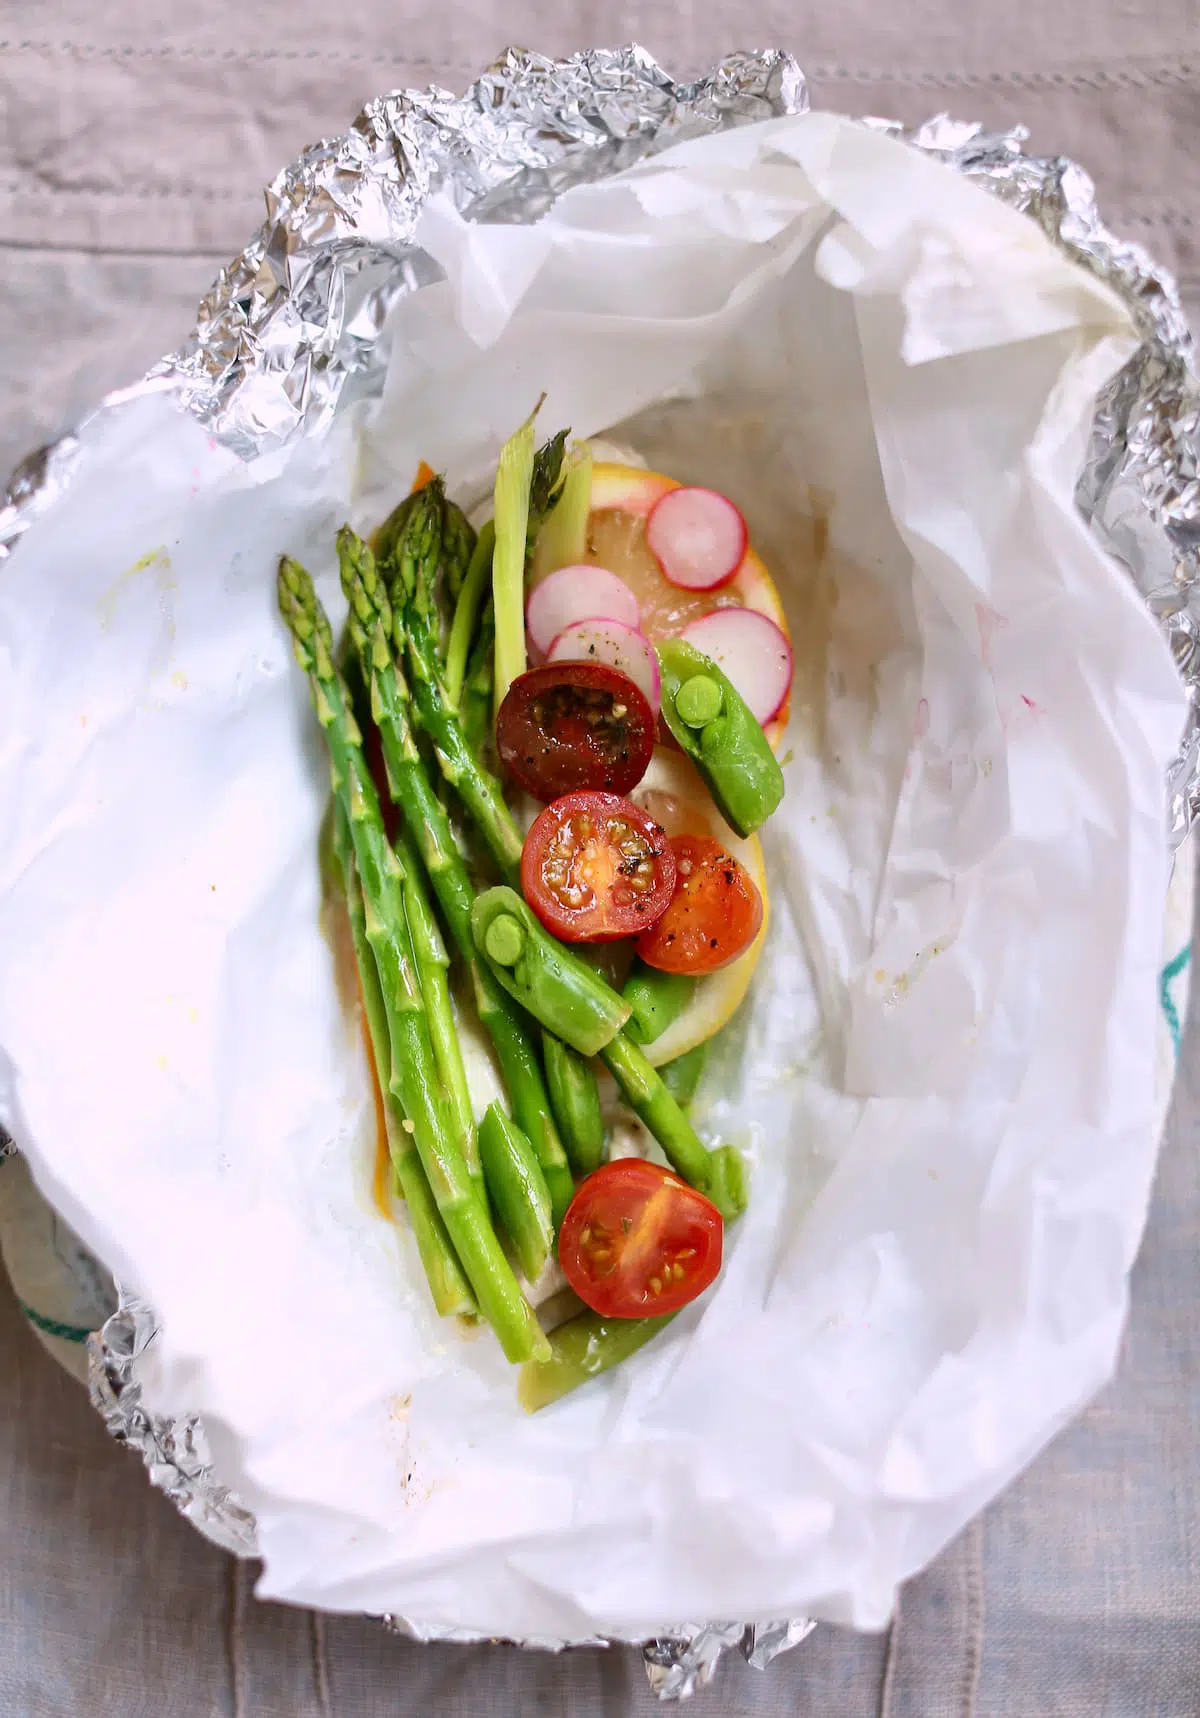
289	330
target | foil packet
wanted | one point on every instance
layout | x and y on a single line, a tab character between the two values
288	334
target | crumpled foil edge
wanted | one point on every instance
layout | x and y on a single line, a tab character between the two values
175	1452
293	323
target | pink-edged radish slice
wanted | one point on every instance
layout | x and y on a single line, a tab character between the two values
698	538
621	647
751	650
577	593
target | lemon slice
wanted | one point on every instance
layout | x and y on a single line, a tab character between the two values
674	794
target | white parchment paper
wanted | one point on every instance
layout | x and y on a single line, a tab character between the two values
945	1072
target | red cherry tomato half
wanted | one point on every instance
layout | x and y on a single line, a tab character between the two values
596	867
567	726
636	1240
715	913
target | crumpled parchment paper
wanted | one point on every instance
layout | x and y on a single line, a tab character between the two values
944	1077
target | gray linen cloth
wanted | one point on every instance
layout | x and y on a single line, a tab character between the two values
135	142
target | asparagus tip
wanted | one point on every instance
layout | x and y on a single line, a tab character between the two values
305	618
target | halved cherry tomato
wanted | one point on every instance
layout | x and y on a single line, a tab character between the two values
596	867
637	1240
715	913
571	725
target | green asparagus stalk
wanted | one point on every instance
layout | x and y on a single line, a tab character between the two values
415	566
581	1350
718	731
411	560
388	534
562	539
576	1101
682	1076
429	828
514	475
466	611
447	1284
458	548
413	1076
518	1189
562	992
476	702
720	1174
433	966
657	999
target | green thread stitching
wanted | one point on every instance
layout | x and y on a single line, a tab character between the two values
52	1327
1170	973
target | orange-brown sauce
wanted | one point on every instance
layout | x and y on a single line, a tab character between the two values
336	927
383	1180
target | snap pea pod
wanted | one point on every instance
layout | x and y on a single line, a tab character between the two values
657	1000
581	1350
682	1076
475	703
716	729
720	1175
575	1100
518	1189
561	991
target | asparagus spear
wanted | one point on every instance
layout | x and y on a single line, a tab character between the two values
476	701
433	964
545	485
682	1076
562	539
414	565
580	1350
413	1077
449	1287
466	611
425	818
458	547
388	533
518	1189
576	1101
720	1174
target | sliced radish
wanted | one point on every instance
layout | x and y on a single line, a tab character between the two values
751	650
697	537
621	647
577	593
